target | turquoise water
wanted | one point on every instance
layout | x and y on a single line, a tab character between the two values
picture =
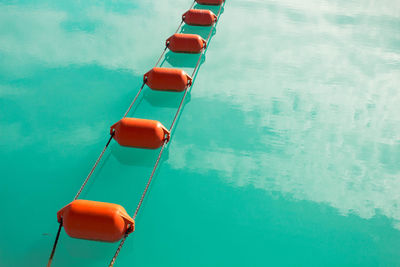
286	154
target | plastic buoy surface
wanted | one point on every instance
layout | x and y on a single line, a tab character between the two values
166	79
199	17
210	2
140	133
186	43
94	220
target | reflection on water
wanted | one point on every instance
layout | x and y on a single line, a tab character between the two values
214	9
165	99
179	60
85	34
137	157
202	31
318	97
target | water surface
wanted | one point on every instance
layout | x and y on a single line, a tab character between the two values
287	151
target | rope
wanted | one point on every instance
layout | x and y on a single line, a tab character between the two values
180	24
215	24
106	146
94	167
179	109
165	142
139	204
91	172
159	155
118	250
55	244
149	181
165	49
134	100
207	40
183	18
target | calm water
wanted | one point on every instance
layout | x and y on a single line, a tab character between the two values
287	151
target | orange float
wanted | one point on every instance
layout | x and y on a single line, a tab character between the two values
166	79
210	2
186	43
139	133
199	17
95	220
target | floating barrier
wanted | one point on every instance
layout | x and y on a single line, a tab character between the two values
140	133
210	2
94	220
186	43
199	17
167	79
109	222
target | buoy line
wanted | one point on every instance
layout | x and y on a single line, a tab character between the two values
107	222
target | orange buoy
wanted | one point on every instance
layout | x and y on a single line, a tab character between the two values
186	43
210	2
140	133
95	220
166	79
199	17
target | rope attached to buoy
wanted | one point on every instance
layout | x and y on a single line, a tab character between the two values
162	148
178	112
55	244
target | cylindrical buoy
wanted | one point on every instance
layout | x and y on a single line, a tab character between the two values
93	220
210	2
140	133
186	43
167	79
199	17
